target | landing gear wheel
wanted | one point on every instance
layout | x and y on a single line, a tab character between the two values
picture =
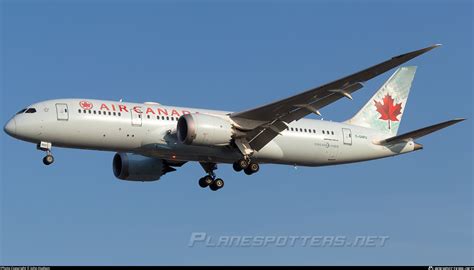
242	164
48	160
205	181
217	184
237	167
252	168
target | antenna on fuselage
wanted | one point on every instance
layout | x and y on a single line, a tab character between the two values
120	100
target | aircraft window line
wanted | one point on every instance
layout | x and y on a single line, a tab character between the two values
307	130
33	110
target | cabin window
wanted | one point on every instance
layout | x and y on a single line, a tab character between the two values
100	112
148	116
167	118
110	113
332	132
115	114
119	114
79	111
324	132
162	118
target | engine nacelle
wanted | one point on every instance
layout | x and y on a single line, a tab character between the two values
134	167
204	129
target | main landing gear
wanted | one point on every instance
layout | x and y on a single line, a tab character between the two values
210	180
46	146
246	165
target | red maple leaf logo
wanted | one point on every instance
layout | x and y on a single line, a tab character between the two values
86	105
388	111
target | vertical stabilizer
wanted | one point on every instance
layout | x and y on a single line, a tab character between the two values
384	111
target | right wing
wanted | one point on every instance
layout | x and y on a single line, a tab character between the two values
264	123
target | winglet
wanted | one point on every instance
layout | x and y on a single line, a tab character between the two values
414	54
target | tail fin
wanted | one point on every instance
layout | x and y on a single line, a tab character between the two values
384	111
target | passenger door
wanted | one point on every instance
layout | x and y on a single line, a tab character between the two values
347	136
62	111
136	118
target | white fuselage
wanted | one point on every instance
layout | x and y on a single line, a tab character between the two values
150	129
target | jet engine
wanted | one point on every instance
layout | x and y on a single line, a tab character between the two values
133	167
204	129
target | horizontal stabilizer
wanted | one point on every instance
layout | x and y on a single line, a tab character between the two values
420	132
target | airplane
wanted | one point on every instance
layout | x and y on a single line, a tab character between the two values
151	139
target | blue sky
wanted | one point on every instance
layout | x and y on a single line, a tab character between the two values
234	55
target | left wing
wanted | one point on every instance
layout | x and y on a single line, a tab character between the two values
260	125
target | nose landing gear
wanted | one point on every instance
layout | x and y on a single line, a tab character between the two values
48	159
46	146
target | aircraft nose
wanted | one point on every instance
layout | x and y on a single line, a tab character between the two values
10	127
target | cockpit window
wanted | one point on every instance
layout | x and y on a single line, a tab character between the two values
22	111
31	110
